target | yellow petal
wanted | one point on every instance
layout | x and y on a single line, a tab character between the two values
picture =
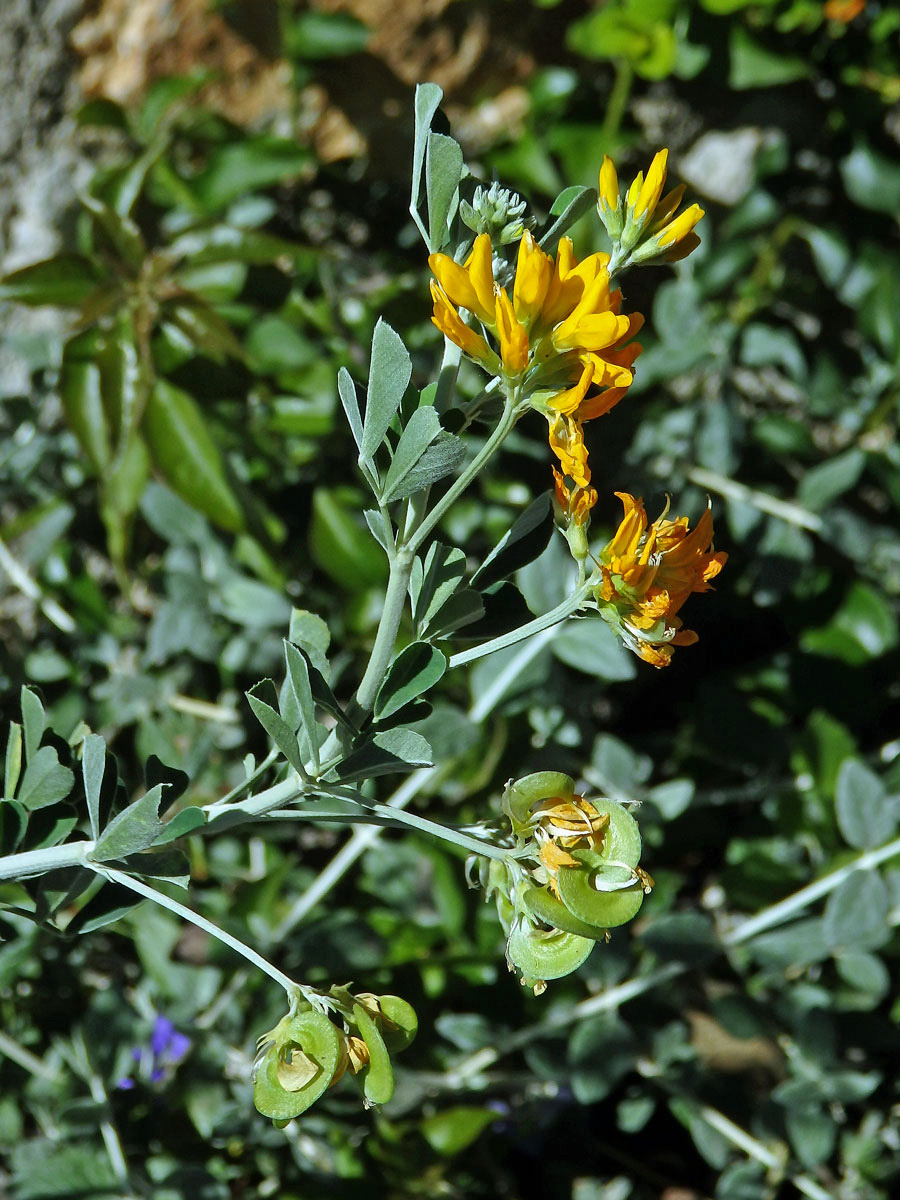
678	229
533	273
609	183
513	336
651	188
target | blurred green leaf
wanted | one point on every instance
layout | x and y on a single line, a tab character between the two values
187	456
66	280
755	66
453	1129
866	816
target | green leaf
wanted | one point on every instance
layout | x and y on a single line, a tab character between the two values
590	646
93	764
160	99
754	66
569	206
601	1052
864	972
389	752
135	828
863	628
276	726
183	450
236	168
443	171
312	635
34	721
444	455
298	678
318	35
120	231
428	97
520	545
340	544
866	817
415	670
871	180
13	763
347	393
855	916
389	376
66	281
181	824
420	431
45	781
81	391
434	582
824	483
449	1132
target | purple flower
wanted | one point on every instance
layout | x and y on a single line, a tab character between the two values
156	1060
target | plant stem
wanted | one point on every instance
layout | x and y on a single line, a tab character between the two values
30	1062
498	435
784	510
108	1131
37	862
386	637
186	914
359	841
545	621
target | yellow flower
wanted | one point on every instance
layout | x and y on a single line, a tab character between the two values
647	571
643	227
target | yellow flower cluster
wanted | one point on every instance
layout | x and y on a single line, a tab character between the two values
559	340
642	225
646	573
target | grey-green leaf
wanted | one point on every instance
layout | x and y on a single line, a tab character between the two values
443	456
389	376
428	97
866	817
443	171
568	207
421	430
347	393
93	764
46	781
33	720
298	678
134	829
276	727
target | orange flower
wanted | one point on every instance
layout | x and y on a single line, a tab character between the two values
647	571
843	10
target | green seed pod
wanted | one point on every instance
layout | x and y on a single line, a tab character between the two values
547	955
298	1067
378	1075
522	794
398	1029
580	896
545	906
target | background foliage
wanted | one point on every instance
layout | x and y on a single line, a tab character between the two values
163	512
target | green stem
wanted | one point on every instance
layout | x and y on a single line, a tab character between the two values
618	99
186	914
501	431
386	637
545	621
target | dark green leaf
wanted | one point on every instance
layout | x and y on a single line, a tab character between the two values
453	1129
395	750
66	280
298	678
443	456
415	670
568	207
234	169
